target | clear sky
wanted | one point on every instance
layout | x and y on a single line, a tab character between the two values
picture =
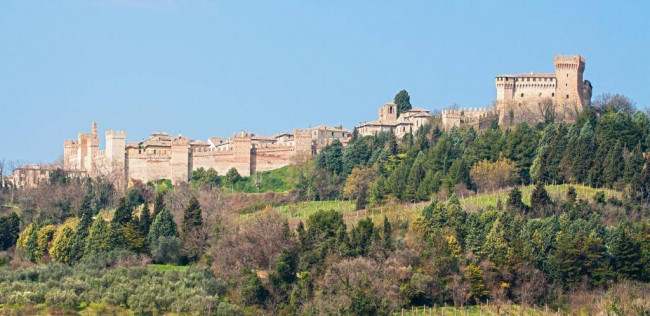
211	68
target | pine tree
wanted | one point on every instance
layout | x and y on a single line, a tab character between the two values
403	101
414	178
192	218
99	238
362	198
123	213
626	253
62	248
539	200
163	226
496	245
144	224
158	205
613	165
514	203
633	165
136	241
387	237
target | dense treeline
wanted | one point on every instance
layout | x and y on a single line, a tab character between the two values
81	244
599	149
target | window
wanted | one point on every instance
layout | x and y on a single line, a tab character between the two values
553	94
540	94
522	95
567	96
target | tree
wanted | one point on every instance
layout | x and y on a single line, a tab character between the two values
403	101
192	218
539	200
514	203
99	238
493	175
166	249
626	254
135	241
62	248
496	245
163	226
613	102
9	230
144	224
251	289
123	213
232	176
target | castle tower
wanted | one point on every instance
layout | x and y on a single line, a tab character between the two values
303	141
180	161
388	112
569	89
242	148
116	155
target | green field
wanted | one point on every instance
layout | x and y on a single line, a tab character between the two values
556	192
304	209
279	180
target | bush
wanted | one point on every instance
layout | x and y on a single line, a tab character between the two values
166	250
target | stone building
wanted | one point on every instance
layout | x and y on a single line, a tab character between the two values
389	121
163	156
535	96
480	118
531	97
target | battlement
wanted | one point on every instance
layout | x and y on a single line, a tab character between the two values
568	58
115	134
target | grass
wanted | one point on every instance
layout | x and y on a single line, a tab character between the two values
278	180
167	267
473	311
556	192
304	209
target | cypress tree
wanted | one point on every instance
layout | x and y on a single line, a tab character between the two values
163	226
403	101
192	216
158	205
99	239
387	237
123	213
144	224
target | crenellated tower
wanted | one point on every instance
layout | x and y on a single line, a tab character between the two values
571	89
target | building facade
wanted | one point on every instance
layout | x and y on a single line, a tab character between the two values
407	122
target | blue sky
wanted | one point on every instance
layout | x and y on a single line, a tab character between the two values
211	68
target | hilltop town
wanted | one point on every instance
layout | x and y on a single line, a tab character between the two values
531	97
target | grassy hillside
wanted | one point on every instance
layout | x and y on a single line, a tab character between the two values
410	211
475	310
279	180
557	192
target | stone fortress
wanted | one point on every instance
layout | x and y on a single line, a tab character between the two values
529	97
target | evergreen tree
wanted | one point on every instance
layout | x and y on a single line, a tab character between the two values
62	247
362	198
514	202
414	178
192	218
144	224
540	202
163	226
495	247
135	240
387	237
633	165
158	205
9	230
626	254
613	165
123	213
403	101
99	238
